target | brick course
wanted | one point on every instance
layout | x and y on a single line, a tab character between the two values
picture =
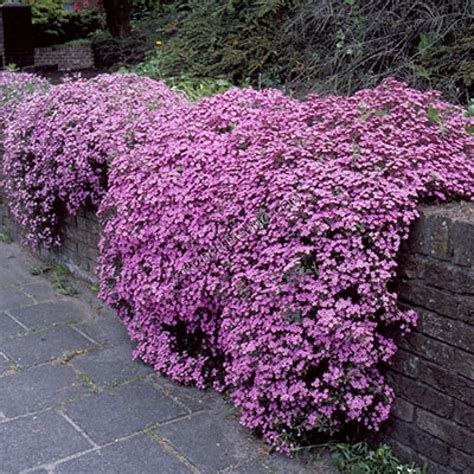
67	57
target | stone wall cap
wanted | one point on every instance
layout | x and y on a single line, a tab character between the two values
455	211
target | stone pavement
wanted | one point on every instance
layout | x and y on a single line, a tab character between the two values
72	400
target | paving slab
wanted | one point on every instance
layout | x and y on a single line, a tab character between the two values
249	468
16	265
44	346
129	421
137	454
122	411
38	388
45	314
9	327
194	400
209	441
112	365
38	439
281	464
41	291
107	331
7	279
13	298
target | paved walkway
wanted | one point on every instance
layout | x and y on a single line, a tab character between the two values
73	401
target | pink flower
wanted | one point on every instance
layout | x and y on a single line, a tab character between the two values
250	240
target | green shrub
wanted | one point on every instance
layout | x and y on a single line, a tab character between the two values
326	46
195	88
5	238
82	24
49	19
235	39
61	281
53	25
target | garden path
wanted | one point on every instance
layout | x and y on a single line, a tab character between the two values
73	400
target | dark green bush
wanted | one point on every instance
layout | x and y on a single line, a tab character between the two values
53	25
328	46
131	50
82	24
236	39
110	52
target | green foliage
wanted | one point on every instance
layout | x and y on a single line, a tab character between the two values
5	238
60	276
53	25
40	269
470	108
340	46
60	281
49	20
470	113
330	46
358	458
148	19
142	8
195	88
235	39
82	24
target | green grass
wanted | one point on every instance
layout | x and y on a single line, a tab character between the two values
5	238
40	269
60	281
86	380
60	278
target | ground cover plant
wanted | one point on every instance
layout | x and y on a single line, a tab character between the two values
249	239
358	458
250	245
58	147
14	87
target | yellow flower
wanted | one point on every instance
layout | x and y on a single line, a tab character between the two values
159	43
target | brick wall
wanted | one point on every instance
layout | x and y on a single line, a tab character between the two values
432	421
67	57
81	236
433	372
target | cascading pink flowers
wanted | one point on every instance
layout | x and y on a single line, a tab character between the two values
250	240
60	144
15	87
250	244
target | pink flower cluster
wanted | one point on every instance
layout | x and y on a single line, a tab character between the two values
59	144
250	245
14	87
249	240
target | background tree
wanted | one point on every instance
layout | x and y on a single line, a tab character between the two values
49	19
117	13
